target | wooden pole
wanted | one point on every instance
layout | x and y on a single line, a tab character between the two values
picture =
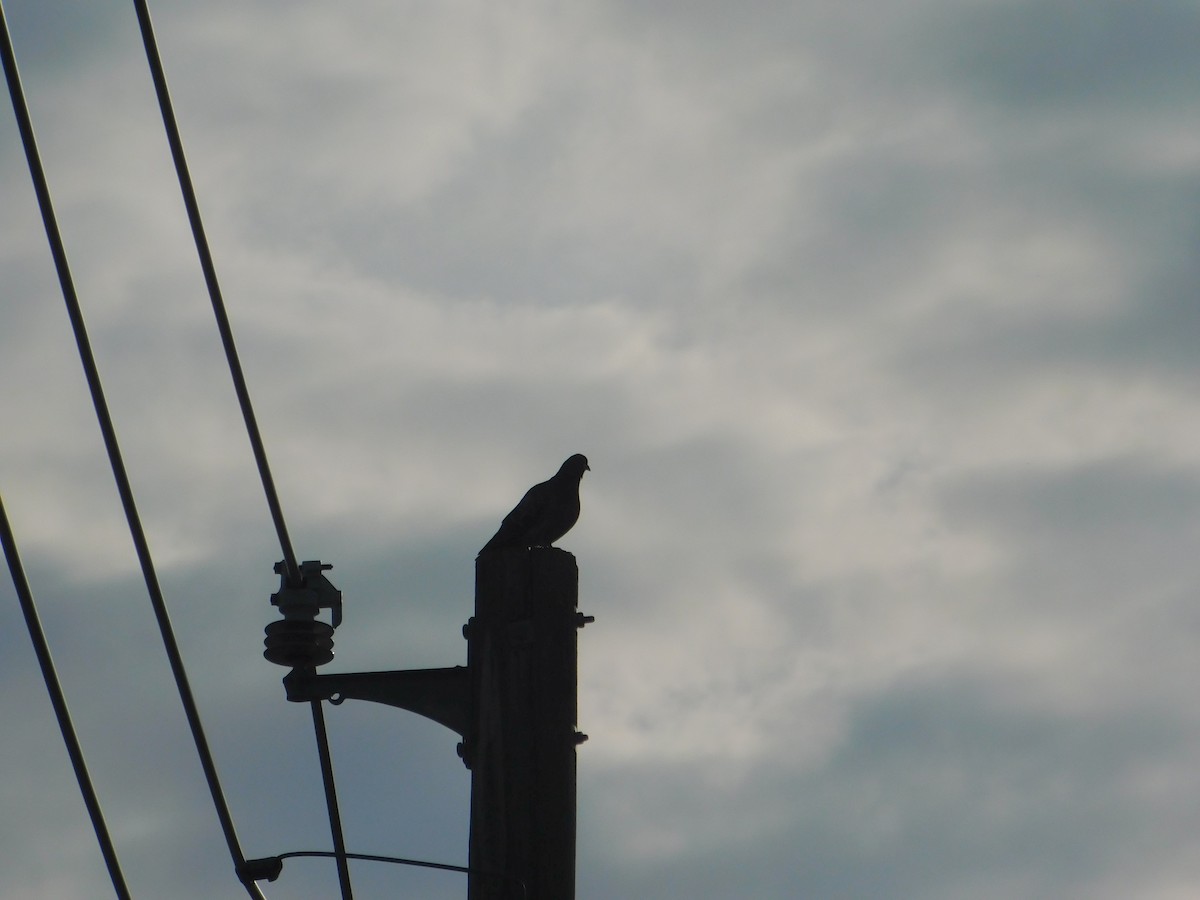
523	659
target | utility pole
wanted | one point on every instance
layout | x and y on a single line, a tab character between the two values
523	659
514	704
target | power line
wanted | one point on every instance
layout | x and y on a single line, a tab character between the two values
291	565
214	287
120	475
57	699
335	818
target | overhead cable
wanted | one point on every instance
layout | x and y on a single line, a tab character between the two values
120	475
214	287
243	394
57	699
335	817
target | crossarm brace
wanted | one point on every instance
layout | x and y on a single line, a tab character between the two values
443	695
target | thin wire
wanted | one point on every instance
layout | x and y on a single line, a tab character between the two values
335	817
214	288
120	475
401	861
372	857
239	382
58	699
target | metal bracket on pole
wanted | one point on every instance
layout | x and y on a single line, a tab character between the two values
303	642
443	695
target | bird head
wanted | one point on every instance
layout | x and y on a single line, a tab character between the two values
575	465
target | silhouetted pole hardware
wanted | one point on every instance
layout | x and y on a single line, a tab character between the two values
514	706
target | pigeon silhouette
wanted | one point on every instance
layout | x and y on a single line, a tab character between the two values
546	512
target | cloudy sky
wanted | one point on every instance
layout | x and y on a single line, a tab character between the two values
877	322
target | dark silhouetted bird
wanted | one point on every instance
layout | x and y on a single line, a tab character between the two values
545	513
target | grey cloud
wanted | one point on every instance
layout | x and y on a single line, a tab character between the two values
942	788
52	39
1131	311
1095	565
798	278
968	777
1061	55
1130	501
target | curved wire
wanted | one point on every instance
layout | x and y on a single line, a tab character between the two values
214	288
54	687
401	861
120	475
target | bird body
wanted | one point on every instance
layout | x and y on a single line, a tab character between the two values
546	512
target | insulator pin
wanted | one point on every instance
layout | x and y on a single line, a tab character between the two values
300	640
299	644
